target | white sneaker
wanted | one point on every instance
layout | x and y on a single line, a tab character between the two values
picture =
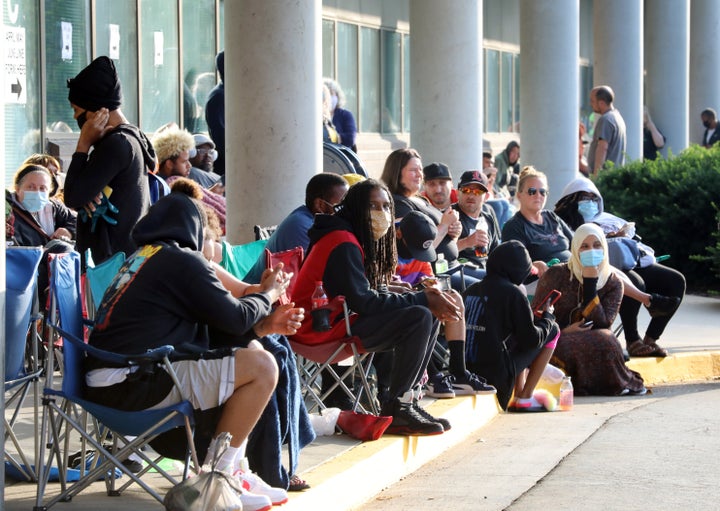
254	502
253	484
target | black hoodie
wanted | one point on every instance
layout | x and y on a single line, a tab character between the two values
120	160
167	293
498	313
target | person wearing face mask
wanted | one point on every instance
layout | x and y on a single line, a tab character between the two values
587	350
353	253
115	173
34	219
582	202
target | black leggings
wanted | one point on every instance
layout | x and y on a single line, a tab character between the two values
655	278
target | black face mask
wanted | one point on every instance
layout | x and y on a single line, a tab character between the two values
81	119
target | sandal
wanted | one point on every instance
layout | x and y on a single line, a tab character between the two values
297	484
657	351
640	349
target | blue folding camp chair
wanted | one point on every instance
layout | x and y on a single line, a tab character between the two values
22	370
66	318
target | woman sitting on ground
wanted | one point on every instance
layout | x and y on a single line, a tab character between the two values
591	293
581	202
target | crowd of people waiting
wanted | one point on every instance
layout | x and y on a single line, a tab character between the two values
378	243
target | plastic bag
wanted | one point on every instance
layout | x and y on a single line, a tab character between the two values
324	424
208	491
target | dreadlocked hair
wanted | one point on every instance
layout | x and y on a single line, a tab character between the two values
381	255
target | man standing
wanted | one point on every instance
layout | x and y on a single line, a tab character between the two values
438	188
712	134
480	229
608	143
109	187
215	114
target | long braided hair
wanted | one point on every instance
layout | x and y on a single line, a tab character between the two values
381	255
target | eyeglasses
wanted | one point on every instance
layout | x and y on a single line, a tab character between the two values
533	191
472	191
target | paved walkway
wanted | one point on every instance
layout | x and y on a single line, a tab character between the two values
345	474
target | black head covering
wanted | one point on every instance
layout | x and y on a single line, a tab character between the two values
176	218
220	64
510	260
96	86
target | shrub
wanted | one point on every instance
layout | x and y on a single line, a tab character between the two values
673	202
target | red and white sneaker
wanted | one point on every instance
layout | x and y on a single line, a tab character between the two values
254	502
252	483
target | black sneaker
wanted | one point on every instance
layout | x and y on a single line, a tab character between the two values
408	421
426	415
661	305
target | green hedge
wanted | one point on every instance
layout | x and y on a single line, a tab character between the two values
674	203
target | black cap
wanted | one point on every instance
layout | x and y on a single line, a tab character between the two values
418	233
473	177
436	171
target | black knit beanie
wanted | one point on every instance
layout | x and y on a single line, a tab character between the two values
96	86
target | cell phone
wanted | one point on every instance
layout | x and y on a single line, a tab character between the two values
552	297
587	323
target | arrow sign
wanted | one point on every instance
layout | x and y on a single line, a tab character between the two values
16	88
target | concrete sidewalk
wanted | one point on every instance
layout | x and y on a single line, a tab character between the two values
345	474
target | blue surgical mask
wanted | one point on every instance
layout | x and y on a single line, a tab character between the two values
34	201
588	209
592	257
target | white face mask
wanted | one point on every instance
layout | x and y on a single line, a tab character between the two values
380	223
333	102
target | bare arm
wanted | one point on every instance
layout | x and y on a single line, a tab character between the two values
600	155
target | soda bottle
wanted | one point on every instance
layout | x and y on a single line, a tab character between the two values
319	299
481	225
566	394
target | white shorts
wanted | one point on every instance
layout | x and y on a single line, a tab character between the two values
205	383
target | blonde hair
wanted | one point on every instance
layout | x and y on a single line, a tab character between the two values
529	172
170	142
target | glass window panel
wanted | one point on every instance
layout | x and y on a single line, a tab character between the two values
516	82
506	93
116	37
406	83
67	46
347	64
328	48
492	91
370	79
159	98
586	84
392	82
199	53
21	129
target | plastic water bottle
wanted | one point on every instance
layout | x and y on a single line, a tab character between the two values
566	394
319	299
441	265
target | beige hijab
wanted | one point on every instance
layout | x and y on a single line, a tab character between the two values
604	269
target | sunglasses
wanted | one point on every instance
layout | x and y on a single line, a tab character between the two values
533	191
472	191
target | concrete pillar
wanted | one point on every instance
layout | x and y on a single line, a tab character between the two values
446	82
667	39
618	62
704	63
549	81
272	109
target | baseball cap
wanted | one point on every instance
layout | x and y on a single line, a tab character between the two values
418	233
436	171
473	177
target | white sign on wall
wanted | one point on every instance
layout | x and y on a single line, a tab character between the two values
14	59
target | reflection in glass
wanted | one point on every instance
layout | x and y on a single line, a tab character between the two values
347	64
369	79
392	82
492	91
328	48
198	61
406	83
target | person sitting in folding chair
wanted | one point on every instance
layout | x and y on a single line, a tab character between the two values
167	293
353	253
